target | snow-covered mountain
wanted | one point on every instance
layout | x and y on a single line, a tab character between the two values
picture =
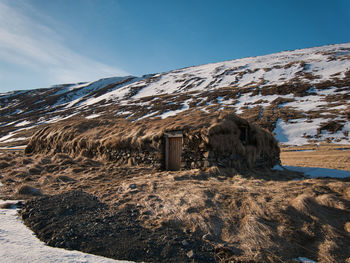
302	96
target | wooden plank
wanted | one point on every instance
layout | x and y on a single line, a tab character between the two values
175	151
166	153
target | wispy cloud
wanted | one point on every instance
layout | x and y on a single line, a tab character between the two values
31	43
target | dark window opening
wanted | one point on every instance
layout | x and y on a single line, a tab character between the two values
244	134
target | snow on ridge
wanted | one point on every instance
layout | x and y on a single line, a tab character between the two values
274	69
263	73
175	112
295	132
22	123
57	118
81	101
75	93
6	137
92	116
70	87
14	139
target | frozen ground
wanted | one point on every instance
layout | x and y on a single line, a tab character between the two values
18	244
316	172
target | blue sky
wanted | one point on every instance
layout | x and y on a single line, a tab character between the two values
62	41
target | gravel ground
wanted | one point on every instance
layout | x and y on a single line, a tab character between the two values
79	221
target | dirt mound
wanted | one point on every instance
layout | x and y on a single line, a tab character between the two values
77	220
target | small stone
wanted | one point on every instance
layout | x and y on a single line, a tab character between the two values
34	171
202	145
45	161
28	190
7	206
206	164
4	164
184	243
27	161
190	254
208	237
19	204
64	178
131	161
67	245
132	186
77	170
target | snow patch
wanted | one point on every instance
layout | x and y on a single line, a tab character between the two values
92	116
6	137
303	260
13	148
18	244
119	91
22	123
316	172
175	112
294	132
59	118
151	114
14	139
278	167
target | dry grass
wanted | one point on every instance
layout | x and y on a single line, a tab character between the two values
324	156
261	216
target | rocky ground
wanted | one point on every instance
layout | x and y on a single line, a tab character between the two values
141	214
79	221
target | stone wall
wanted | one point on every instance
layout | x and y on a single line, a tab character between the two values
135	157
195	154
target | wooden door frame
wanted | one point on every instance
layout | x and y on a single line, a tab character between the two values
167	135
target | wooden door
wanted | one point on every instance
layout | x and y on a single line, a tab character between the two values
175	150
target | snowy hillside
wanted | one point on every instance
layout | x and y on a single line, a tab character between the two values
302	96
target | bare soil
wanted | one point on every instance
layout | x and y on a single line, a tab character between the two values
215	215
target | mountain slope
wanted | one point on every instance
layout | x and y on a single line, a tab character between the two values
302	96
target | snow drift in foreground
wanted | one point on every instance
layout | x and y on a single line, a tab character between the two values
18	244
316	172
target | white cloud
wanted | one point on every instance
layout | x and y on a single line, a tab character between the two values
29	42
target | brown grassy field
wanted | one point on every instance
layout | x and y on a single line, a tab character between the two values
259	216
324	156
